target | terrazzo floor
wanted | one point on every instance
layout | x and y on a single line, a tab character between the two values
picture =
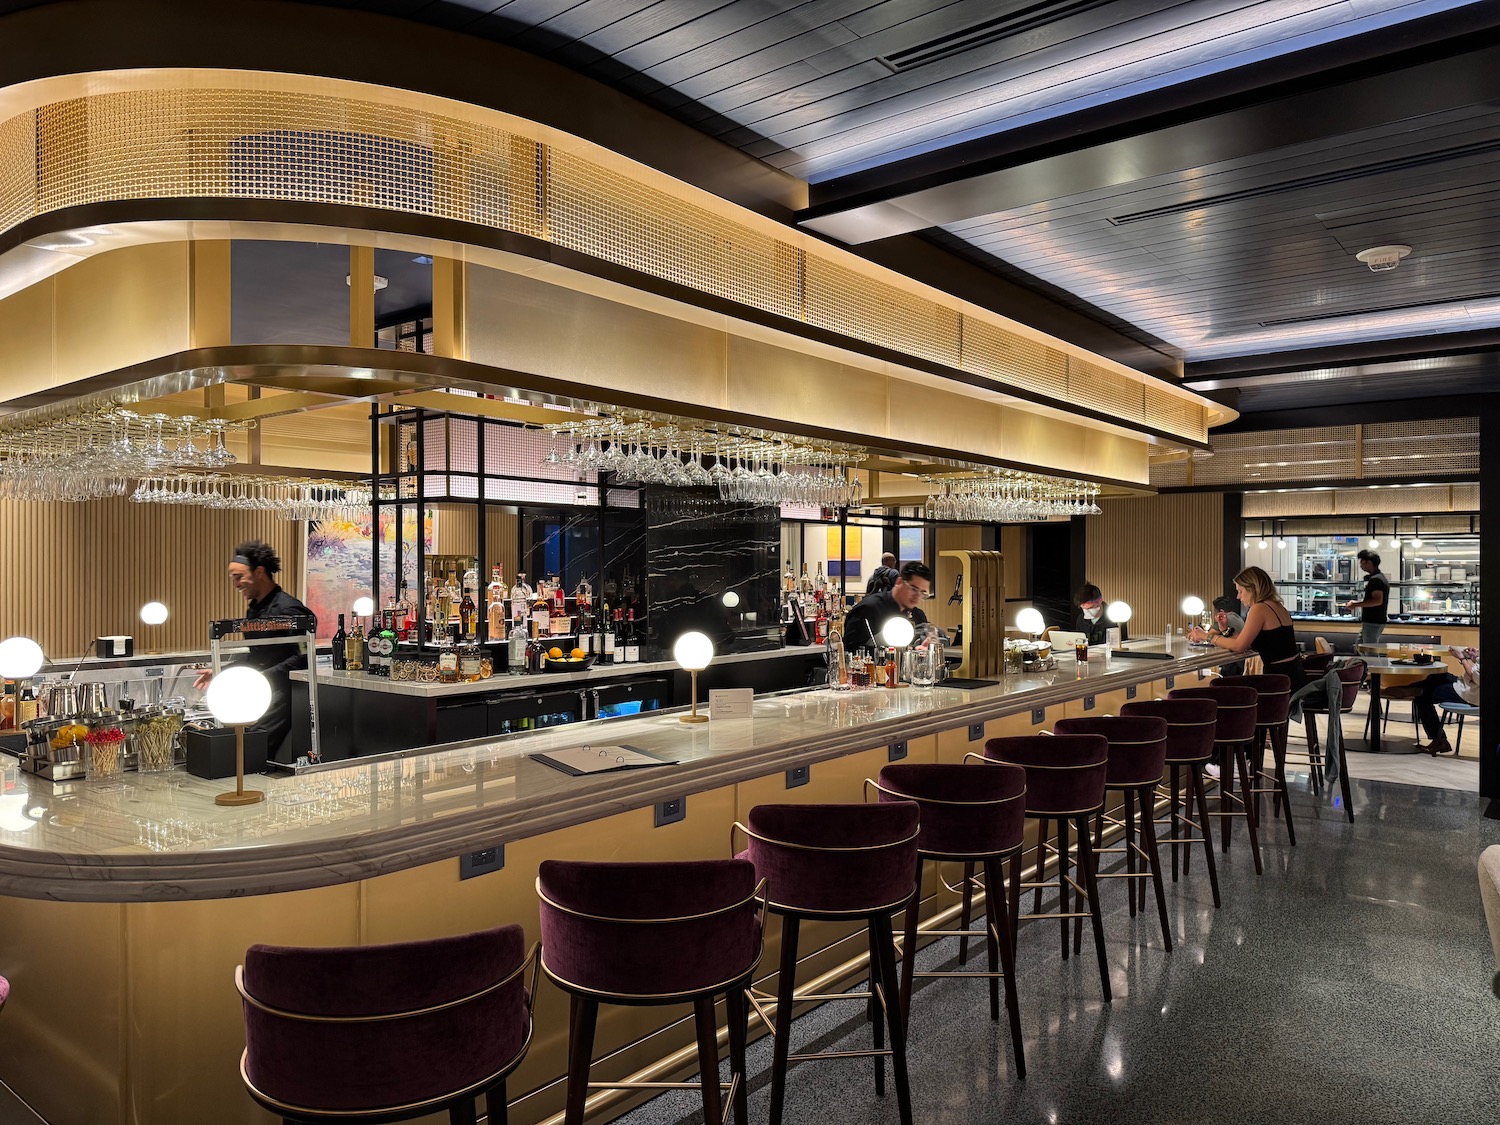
1350	983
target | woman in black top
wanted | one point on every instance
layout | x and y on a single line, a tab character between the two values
1268	628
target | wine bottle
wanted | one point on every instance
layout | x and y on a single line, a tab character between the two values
340	639
632	641
608	654
354	648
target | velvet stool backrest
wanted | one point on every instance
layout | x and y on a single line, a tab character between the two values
1065	774
1273	694
964	810
653	930
835	859
1137	745
1190	726
1239	708
396	1062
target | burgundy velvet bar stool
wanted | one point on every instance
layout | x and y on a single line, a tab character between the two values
382	1033
682	932
1234	731
1190	747
1065	776
973	816
838	863
1137	760
1273	700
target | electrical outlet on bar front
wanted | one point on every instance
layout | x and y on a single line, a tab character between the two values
671	811
896	751
481	862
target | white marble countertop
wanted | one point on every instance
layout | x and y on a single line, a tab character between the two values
506	682
161	838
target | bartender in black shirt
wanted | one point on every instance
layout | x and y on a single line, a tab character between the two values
253	571
865	621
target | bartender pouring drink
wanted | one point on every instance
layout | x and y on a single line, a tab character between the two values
253	571
864	622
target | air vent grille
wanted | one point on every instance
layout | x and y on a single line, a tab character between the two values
1029	17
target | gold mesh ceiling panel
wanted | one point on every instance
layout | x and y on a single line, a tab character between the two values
321	148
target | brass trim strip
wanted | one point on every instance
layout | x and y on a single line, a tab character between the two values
753	896
305	1017
665	997
813	848
869	783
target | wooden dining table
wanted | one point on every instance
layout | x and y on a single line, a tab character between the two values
1384	672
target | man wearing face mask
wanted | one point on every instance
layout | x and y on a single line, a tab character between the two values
1091	620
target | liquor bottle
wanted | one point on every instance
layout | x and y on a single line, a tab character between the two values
455	597
516	650
789	580
820	626
495	611
448	666
468	663
804	584
821	582
632	641
585	627
541	617
403	615
443	613
471	583
520	598
467	616
607	638
28	703
386	644
340	639
619	635
354	648
559	600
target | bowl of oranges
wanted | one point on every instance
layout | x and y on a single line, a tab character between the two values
563	660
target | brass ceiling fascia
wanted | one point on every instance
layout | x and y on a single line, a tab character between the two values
488	408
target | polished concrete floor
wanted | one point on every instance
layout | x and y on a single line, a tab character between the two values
1349	983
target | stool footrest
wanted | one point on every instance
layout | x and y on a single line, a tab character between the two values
885	1052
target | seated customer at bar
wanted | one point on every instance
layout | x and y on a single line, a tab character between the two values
1268	628
1445	687
1091	620
865	621
1228	623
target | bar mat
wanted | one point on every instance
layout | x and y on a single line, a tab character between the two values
968	685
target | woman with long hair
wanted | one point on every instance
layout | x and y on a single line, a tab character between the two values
1268	628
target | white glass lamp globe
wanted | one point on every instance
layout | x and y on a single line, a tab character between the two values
1031	621
1118	612
731	599
898	632
1192	605
1416	543
20	658
238	695
693	651
153	613
363	607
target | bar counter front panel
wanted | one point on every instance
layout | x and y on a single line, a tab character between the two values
128	906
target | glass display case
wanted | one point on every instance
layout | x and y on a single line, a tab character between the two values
1433	580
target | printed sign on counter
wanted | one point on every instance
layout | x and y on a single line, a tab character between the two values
731	703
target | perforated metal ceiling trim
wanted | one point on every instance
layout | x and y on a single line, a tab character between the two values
312	147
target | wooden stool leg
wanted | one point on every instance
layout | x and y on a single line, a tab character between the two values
462	1112
1200	794
1226	792
1129	847
582	1021
708	1059
1172	823
887	966
872	1008
496	1105
996	923
966	912
1015	898
1043	828
909	946
1091	888
1344	779
1147	798
737	1008
1064	899
1249	802
1284	793
1005	938
786	984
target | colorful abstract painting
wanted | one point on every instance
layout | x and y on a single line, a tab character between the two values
338	562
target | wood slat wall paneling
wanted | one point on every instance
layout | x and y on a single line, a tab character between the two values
1154	551
73	572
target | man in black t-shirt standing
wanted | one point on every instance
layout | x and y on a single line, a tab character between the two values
1374	608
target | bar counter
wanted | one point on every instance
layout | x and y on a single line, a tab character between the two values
129	904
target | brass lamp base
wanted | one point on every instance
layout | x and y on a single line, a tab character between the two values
692	719
244	797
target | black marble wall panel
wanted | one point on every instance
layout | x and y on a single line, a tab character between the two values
701	548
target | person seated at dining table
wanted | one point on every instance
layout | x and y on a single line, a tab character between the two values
1445	687
1268	628
1090	620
